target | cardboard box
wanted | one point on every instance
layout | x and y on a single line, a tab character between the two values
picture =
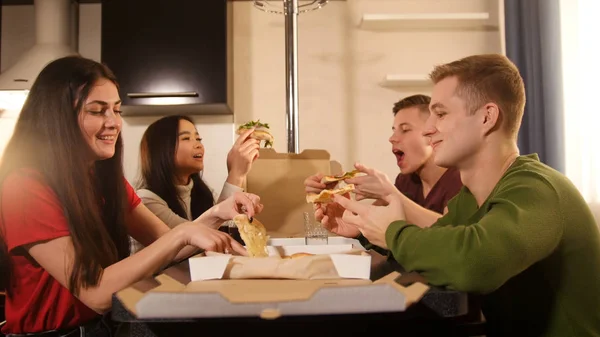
173	295
175	298
278	178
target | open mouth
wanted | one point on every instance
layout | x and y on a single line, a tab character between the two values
198	156
399	155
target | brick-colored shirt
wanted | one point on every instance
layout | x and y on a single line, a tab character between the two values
445	189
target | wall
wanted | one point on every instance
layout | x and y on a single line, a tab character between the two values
343	107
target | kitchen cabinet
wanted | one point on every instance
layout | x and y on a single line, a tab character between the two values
169	56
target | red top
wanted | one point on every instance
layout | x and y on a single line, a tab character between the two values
445	189
32	213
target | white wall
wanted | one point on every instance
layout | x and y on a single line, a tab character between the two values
343	108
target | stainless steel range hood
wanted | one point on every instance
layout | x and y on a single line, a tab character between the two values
52	41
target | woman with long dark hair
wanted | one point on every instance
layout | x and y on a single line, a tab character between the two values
172	161
66	210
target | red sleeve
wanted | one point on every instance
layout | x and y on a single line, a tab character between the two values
30	210
132	197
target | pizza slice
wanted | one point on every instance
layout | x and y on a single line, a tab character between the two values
254	235
340	177
326	196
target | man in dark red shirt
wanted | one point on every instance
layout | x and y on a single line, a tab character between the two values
427	187
423	182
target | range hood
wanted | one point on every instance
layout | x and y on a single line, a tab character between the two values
52	41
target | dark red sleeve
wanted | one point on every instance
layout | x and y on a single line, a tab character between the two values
30	210
132	197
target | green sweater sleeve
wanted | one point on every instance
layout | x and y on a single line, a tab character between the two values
517	226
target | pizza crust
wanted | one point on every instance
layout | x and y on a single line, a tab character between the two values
254	235
340	177
326	196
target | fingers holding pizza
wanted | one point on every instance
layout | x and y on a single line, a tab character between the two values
321	188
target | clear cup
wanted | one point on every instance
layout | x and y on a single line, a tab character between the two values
314	232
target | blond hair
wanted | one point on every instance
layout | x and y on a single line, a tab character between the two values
490	78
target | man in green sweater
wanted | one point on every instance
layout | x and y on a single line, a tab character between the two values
518	232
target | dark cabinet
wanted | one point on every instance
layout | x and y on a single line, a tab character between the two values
169	56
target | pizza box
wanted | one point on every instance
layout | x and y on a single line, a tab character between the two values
173	295
278	178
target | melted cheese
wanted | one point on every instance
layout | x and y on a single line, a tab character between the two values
254	235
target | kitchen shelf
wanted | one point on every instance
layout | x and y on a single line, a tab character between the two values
406	80
426	21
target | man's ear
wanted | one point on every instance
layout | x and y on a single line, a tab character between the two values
491	117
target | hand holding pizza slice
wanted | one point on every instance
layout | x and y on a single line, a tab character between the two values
333	185
254	235
326	196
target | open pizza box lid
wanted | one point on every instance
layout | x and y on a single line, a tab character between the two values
173	294
278	178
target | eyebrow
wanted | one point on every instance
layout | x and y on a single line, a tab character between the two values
186	133
437	106
102	102
400	125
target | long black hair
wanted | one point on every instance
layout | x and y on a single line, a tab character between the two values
47	138
157	156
